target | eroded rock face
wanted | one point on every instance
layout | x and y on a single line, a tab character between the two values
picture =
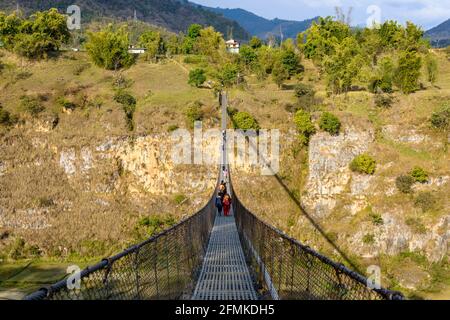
147	160
331	183
394	237
329	173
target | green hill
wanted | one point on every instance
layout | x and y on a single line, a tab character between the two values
171	14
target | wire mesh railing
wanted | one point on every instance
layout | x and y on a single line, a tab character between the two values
164	267
289	270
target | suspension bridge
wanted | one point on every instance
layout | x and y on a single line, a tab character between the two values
211	257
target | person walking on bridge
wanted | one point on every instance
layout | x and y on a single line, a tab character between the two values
226	203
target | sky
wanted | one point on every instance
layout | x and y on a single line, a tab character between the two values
426	13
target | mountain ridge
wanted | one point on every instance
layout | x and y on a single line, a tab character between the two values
440	35
262	27
174	15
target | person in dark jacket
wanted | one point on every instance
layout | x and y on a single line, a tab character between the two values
219	205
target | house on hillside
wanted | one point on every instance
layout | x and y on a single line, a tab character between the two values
135	50
233	46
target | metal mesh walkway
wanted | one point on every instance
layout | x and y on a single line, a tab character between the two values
225	274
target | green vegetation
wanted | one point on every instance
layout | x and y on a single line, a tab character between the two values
304	125
197	77
404	183
152	225
180	198
194	113
368	239
6	118
363	163
128	103
244	121
425	201
384	101
31	105
109	48
155	45
376	218
330	123
345	56
44	32
419	175
441	119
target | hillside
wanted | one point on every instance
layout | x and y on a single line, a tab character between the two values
440	35
261	27
174	15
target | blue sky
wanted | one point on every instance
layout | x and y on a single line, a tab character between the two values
427	13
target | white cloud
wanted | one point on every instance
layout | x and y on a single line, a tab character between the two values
427	13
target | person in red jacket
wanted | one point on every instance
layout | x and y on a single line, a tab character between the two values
226	203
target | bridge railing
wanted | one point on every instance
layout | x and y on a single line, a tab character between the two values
289	270
162	268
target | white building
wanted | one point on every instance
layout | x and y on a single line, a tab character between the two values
233	46
135	50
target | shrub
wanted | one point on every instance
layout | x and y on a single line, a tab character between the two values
330	123
305	126
128	103
441	119
197	77
419	175
383	100
363	163
150	226
376	218
368	238
302	90
404	183
416	225
228	75
179	198
18	249
172	128
305	95
66	104
31	105
244	121
5	117
194	112
425	201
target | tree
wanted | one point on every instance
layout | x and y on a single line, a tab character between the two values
35	37
209	42
363	163
408	71
197	77
320	39
154	43
291	62
343	66
305	126
247	55
194	31
109	48
280	74
189	41
228	74
255	43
